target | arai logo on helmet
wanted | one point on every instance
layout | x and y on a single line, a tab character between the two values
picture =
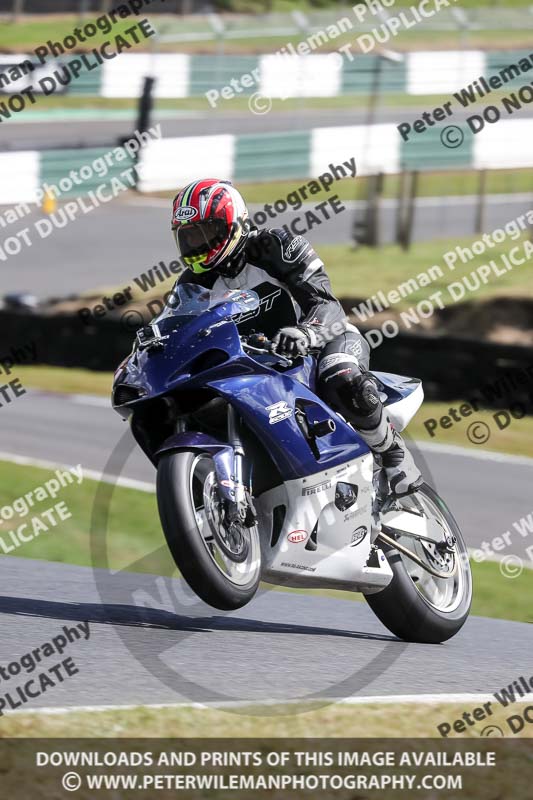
184	213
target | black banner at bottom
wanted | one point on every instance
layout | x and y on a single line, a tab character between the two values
241	769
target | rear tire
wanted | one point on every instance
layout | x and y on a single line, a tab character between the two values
404	609
185	487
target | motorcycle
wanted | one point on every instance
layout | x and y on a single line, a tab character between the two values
259	480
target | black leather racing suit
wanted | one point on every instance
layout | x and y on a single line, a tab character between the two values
294	290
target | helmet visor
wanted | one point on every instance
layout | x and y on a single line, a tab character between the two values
197	239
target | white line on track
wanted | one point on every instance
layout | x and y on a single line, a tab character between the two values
430	699
92	474
480	455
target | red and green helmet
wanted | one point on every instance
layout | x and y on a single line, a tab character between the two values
210	224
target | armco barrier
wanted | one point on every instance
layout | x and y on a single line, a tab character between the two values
451	368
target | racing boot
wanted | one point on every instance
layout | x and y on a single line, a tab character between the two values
401	471
362	407
403	474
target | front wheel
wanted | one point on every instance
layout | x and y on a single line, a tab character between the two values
418	605
223	567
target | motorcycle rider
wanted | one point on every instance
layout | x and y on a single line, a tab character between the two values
224	251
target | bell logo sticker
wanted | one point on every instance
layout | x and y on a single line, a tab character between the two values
358	536
184	213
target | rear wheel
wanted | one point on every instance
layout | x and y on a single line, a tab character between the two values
420	605
223	566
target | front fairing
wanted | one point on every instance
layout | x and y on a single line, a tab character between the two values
205	352
160	370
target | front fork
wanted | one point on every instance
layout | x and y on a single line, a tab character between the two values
235	442
241	509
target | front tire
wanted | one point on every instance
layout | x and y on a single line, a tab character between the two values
225	574
416	606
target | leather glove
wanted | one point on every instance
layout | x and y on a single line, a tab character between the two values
291	342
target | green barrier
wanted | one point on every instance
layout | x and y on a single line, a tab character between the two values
276	156
442	147
215	72
57	165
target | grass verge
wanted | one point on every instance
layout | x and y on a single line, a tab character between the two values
134	541
430	184
31	31
365	271
66	381
236	105
365	721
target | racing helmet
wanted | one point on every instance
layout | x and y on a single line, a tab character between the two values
210	224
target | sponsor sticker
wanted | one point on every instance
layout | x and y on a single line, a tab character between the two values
318	487
278	412
358	535
184	213
297	536
298	566
293	247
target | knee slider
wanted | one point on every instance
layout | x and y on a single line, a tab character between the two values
365	393
336	375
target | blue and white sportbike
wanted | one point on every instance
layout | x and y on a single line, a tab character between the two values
259	480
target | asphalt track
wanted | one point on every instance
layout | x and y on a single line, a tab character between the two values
279	647
99	131
126	237
152	641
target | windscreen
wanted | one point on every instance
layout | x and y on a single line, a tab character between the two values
189	300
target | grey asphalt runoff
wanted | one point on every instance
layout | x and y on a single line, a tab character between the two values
120	240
